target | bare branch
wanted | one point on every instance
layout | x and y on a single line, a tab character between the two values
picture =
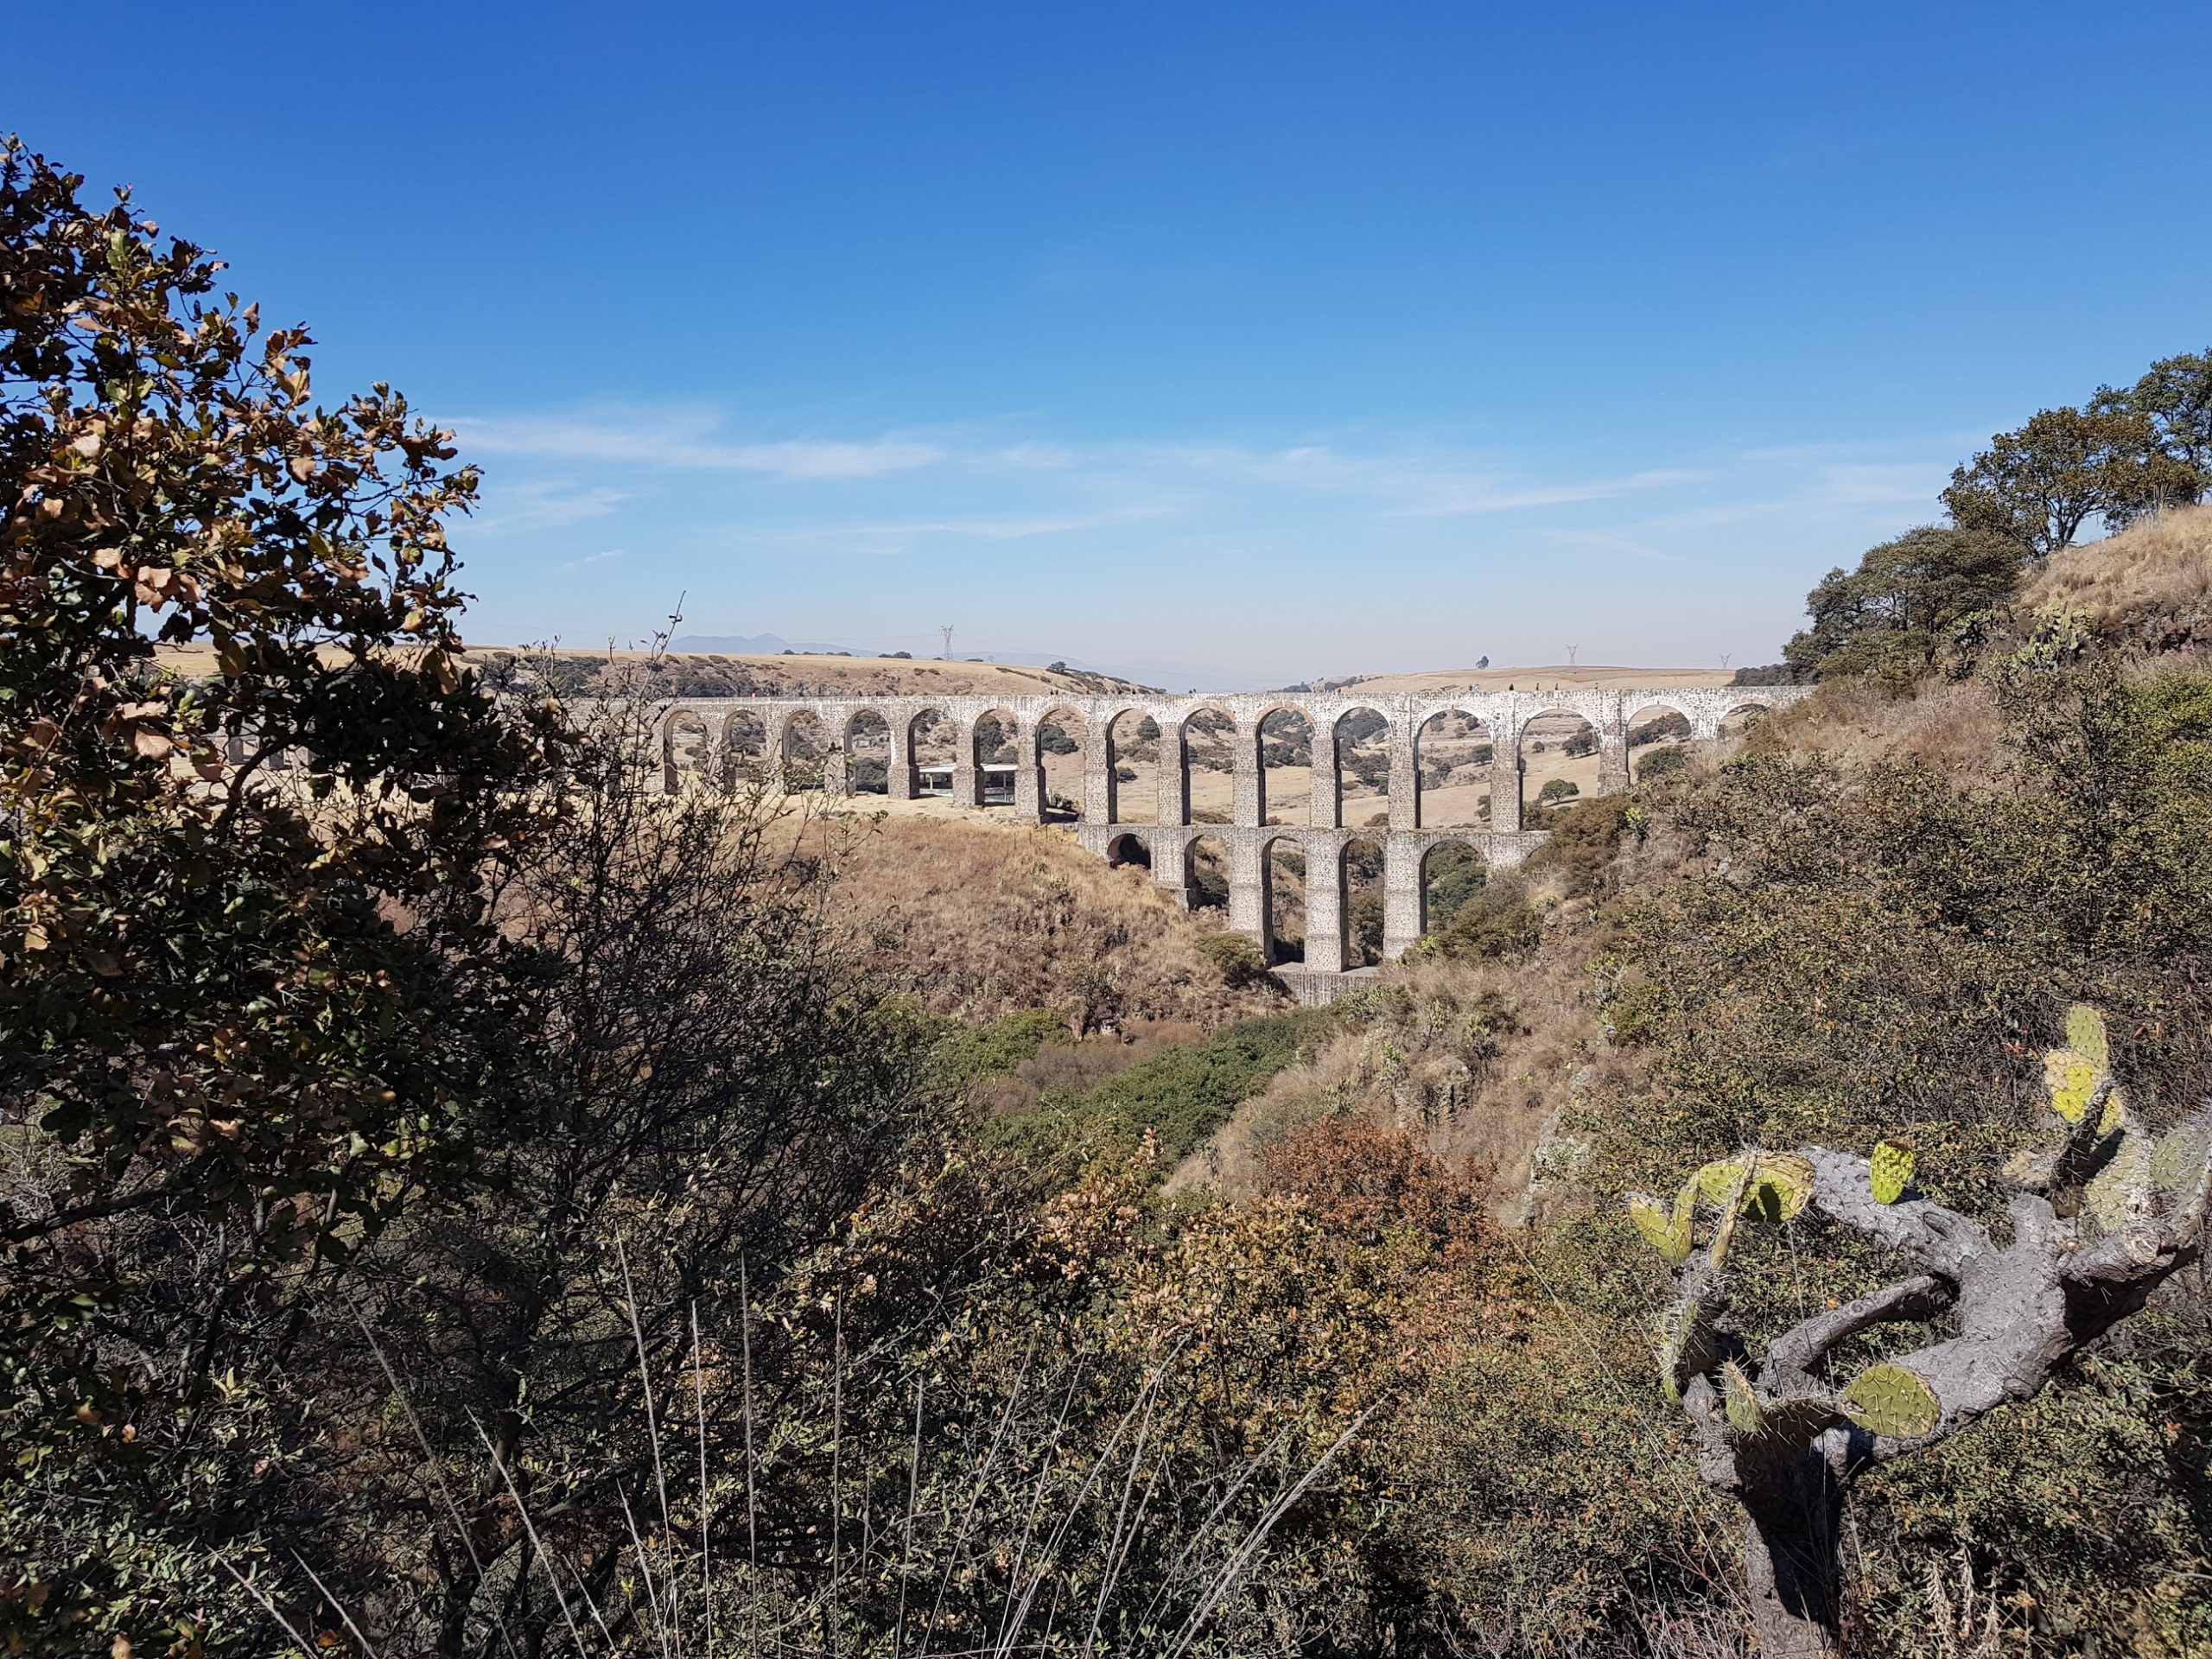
1791	1357
1941	1240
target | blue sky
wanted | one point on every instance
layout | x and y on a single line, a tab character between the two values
1243	342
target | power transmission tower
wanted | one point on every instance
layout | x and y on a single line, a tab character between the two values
1571	649
946	630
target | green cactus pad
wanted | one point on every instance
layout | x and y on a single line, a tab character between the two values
1890	1169
1781	1183
2071	1077
2085	1035
1744	1415
1686	1346
2177	1161
1891	1400
1667	1233
2121	1191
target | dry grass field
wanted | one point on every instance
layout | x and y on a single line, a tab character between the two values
2149	586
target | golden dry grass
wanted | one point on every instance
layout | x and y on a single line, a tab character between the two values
1952	725
980	918
2151	586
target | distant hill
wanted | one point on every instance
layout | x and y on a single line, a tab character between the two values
773	644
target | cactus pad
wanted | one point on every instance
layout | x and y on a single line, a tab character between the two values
2121	1191
2115	1113
1669	1233
1889	1399
2177	1161
2085	1035
1890	1169
1686	1346
1780	1186
1744	1415
2071	1077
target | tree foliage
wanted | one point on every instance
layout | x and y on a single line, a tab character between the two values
2040	484
240	904
1892	616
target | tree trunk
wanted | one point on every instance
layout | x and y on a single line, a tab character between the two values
1790	1565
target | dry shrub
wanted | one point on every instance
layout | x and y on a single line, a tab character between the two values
980	919
2148	587
1954	725
1363	1181
1473	1061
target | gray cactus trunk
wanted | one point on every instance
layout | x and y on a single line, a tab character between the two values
1792	1568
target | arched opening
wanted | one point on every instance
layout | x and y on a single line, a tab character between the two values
1559	764
1285	767
1363	768
1283	869
1129	850
1364	906
868	753
686	755
1451	875
996	756
1063	735
1657	740
806	752
1209	740
1451	764
1206	874
1133	751
1740	719
933	740
745	746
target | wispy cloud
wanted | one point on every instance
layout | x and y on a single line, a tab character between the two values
889	540
542	503
1420	483
688	439
591	558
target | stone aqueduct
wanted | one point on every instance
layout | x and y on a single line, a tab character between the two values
1247	837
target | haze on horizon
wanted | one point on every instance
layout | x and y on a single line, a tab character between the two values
1259	343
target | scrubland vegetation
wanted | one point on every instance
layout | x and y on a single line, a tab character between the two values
459	1203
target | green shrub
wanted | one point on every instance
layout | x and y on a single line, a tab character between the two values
1498	921
1241	962
1182	1096
968	1054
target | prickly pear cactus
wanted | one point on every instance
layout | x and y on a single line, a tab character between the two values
1745	1415
1687	1348
2178	1160
2085	1035
2071	1077
1890	1169
2123	1190
1891	1400
1666	1231
1781	1183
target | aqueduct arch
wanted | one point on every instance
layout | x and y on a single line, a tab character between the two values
1210	840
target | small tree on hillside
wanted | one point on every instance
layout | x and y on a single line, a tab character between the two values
2100	1219
1898	609
2175	396
2041	484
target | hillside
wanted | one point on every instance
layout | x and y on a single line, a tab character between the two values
977	920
